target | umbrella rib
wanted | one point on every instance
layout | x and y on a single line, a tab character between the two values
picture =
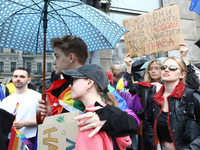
38	35
17	12
39	30
77	4
60	18
55	10
28	6
86	20
60	15
37	4
61	8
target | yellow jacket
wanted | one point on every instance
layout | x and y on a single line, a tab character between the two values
11	87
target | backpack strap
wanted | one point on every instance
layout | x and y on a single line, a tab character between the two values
189	99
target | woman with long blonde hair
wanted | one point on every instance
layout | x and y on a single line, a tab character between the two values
166	121
152	83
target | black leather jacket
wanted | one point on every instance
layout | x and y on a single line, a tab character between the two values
177	118
147	92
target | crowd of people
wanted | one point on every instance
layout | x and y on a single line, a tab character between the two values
168	94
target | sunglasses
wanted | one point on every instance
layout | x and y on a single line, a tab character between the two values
75	78
171	68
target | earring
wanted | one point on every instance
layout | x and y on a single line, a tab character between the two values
88	89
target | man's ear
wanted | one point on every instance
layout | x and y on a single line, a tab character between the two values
71	57
29	80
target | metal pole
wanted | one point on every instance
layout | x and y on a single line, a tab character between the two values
40	118
44	47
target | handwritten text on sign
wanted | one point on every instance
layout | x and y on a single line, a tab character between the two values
153	32
52	142
58	132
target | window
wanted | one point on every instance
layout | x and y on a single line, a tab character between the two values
1	66
12	50
27	53
39	67
116	52
28	66
1	50
13	66
49	67
124	50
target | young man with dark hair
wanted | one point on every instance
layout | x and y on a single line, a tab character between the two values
71	53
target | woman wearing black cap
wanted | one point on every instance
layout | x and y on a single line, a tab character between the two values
88	83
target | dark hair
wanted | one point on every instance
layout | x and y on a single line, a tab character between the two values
28	72
32	86
72	44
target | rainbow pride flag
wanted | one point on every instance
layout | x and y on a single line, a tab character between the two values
14	140
65	97
16	135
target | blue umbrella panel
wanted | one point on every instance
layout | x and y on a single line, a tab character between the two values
22	26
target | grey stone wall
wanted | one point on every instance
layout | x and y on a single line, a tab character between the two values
190	24
106	59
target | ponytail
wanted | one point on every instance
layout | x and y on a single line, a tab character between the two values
110	98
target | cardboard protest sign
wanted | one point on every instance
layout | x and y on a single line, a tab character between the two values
58	132
153	32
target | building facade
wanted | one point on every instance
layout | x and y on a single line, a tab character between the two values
117	10
11	59
122	9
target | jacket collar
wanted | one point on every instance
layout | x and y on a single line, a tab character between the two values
177	93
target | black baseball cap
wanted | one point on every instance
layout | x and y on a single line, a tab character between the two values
92	71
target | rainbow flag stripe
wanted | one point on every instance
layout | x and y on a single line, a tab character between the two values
14	140
16	107
23	139
16	135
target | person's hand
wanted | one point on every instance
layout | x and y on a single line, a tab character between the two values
128	59
183	52
92	120
183	49
19	124
44	107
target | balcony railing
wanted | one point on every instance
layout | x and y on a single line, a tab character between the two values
26	54
38	72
